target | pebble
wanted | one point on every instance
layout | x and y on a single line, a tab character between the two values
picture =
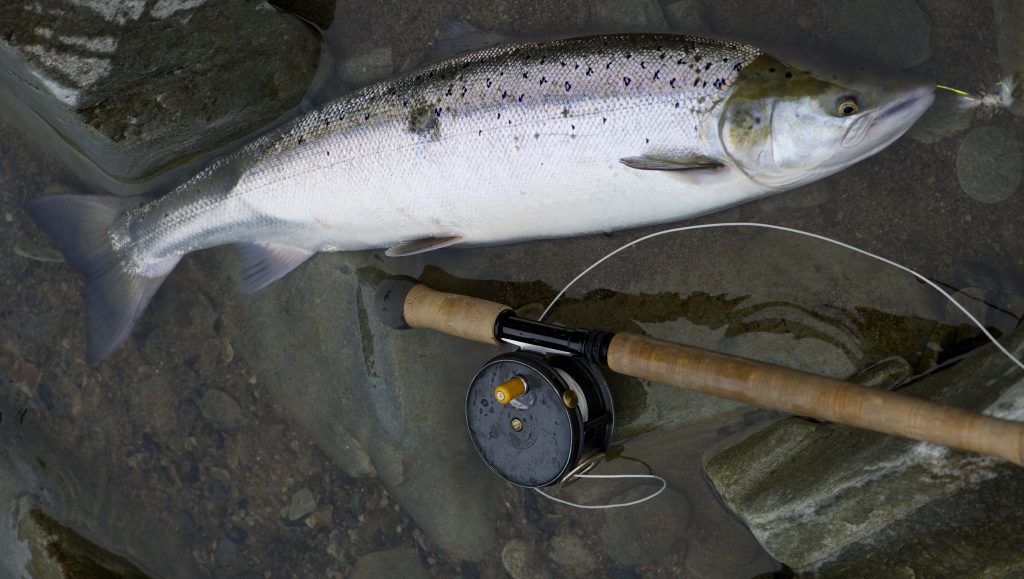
303	503
8	217
571	552
226	551
990	163
219	408
402	563
522	561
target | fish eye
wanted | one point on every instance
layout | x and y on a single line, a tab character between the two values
847	106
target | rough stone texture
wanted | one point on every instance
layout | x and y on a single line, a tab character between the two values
687	16
134	93
221	409
392	563
832	499
522	560
898	32
990	163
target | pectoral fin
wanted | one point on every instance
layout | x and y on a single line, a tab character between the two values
683	163
414	246
265	263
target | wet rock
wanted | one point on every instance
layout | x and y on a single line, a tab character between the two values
623	15
393	563
226	551
366	68
570	552
827	498
1009	23
522	560
688	16
220	409
138	86
898	33
646	532
303	503
990	163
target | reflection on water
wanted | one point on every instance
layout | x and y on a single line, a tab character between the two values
290	433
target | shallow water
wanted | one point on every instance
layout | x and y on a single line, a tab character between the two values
224	414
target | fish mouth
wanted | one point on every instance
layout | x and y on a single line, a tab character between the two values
903	112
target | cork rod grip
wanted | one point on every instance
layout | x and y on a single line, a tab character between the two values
462	316
815	396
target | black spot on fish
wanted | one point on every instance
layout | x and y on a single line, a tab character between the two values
680	61
504	94
672	83
366	117
499	115
536	135
430	74
789	74
328	153
405	103
737	66
437	111
563	63
577	66
609	65
726	59
573	127
480	132
543	60
464	90
604	120
510	121
590	71
643	64
696	57
449	93
656	73
707	66
488	83
647	141
628	55
568	87
521	97
662	56
526	75
677	105
565	112
543	80
626	80
705	85
696	81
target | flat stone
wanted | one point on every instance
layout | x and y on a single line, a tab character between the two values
522	560
403	563
826	498
220	409
303	503
570	552
137	89
895	32
990	163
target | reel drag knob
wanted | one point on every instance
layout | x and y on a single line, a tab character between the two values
534	418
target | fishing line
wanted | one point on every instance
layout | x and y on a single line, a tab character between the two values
664	485
920	277
625	246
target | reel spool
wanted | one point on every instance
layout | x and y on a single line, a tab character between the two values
539	420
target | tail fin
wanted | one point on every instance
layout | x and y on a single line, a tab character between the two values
114	298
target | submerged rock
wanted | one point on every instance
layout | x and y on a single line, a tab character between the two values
990	163
620	15
392	563
136	86
832	499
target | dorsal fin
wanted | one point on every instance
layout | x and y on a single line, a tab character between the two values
264	263
692	162
414	246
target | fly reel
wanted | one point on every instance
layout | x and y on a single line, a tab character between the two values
539	420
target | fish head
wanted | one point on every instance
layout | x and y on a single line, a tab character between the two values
787	124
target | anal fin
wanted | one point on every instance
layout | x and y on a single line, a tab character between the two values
414	246
264	263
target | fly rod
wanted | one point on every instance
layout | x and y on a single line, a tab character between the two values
406	303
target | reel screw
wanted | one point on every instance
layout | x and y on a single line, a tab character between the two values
570	399
517	424
507	392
